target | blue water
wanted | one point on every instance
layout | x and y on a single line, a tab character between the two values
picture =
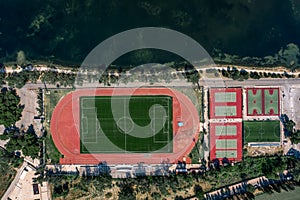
265	144
69	30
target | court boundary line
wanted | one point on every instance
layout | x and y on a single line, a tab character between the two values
126	133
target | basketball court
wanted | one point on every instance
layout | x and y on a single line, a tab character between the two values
263	101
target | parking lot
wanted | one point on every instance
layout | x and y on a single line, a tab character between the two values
290	103
29	99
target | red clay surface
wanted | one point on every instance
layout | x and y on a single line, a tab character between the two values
66	136
271	90
237	104
238	136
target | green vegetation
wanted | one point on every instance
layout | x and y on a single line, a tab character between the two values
143	111
261	131
156	187
26	141
58	78
72	186
8	163
10	108
196	97
249	168
40	102
242	74
52	154
235	74
287	56
51	100
52	97
197	153
288	193
19	79
289	129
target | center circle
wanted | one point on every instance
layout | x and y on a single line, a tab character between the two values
125	124
261	131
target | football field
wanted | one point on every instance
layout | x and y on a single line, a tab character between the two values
261	131
118	124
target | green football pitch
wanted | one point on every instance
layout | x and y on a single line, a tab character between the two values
118	124
261	131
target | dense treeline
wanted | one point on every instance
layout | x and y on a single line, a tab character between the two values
157	187
289	129
171	186
10	107
8	163
21	140
241	74
19	79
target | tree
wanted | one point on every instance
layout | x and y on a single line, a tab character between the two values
199	193
27	142
126	190
21	58
10	107
194	78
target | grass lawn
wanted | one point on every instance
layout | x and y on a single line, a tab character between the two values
52	153
51	100
196	98
261	131
7	170
126	123
5	180
286	195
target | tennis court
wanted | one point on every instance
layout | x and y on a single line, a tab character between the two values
225	130
225	103
226	144
225	111
226	153
225	97
226	140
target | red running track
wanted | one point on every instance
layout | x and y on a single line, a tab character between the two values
66	136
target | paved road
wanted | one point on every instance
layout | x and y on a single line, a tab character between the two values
251	82
216	82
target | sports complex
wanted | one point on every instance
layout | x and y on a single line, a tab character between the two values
230	130
124	126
